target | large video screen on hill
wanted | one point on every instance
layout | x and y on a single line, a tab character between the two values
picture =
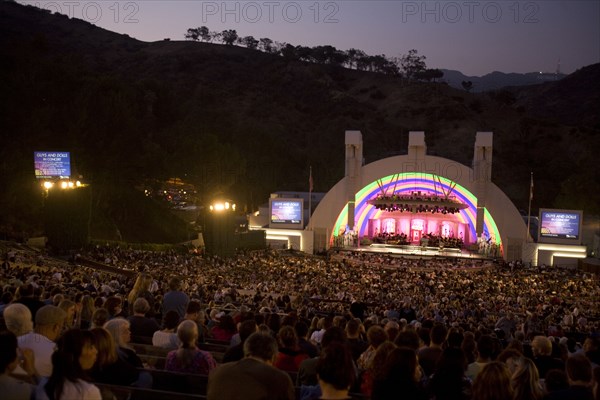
286	213
52	164
560	226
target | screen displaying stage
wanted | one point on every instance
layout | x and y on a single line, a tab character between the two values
286	213
52	164
560	226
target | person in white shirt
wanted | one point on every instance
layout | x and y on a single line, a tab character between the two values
75	354
49	321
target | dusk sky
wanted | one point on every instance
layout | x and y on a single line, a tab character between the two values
474	37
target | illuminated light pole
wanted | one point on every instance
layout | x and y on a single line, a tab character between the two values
220	228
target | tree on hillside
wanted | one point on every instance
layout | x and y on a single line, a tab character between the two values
352	57
215	36
204	33
467	85
192	34
412	64
288	51
266	45
229	36
249	42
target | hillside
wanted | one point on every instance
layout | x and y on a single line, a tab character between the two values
241	122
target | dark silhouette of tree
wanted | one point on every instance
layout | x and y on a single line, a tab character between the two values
192	34
467	85
204	33
288	52
266	45
249	42
229	36
215	36
412	64
352	56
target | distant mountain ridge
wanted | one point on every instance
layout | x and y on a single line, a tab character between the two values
497	80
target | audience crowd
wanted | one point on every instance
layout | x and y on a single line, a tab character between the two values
348	324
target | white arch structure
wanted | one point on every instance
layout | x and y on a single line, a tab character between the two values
490	215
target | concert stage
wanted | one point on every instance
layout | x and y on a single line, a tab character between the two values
419	251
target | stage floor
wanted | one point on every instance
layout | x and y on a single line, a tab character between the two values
418	251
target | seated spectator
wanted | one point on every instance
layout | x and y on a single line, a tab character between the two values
10	387
194	313
189	358
49	322
400	377
556	380
253	377
114	306
69	307
236	353
376	370
526	381
17	318
356	344
224	329
485	349
75	355
428	356
305	345
142	327
289	355
335	370
87	312
307	373
542	356
99	318
493	383
167	337
375	336
121	334
579	374
109	368
449	381
26	295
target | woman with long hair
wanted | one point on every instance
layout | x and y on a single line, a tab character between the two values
449	380
526	381
289	355
121	334
189	358
493	383
75	355
141	288
87	311
400	378
109	368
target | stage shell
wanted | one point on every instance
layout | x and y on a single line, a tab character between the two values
500	221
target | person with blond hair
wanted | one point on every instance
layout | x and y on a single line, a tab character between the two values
189	358
109	368
541	347
493	383
526	380
141	289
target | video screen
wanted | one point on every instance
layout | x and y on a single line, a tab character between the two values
286	212
52	164
560	224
